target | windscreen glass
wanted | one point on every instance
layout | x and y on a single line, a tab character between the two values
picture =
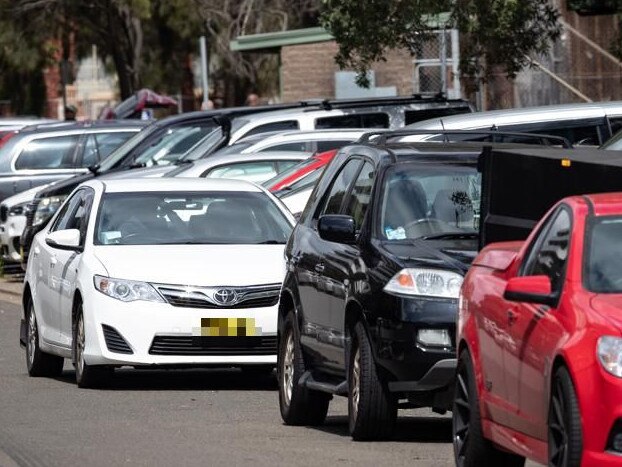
603	271
180	218
118	155
420	202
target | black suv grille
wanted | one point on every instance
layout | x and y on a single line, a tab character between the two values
206	346
114	340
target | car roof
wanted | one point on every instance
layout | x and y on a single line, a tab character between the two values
84	125
522	115
308	135
604	204
200	165
134	185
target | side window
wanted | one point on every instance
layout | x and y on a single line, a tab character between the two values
360	195
369	120
108	142
323	146
76	215
274	126
64	216
48	153
550	250
258	172
299	146
616	124
340	186
90	155
414	116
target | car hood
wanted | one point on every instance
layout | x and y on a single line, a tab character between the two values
609	306
146	172
196	265
455	255
24	196
64	187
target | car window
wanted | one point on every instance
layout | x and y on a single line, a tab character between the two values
616	124
65	212
273	126
340	186
98	146
257	172
588	135
75	213
414	116
549	253
282	166
367	120
48	153
603	259
298	146
360	195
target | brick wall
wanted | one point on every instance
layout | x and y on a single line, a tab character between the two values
308	71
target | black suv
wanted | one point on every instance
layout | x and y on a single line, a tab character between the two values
374	268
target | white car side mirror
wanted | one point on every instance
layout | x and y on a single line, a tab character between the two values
64	240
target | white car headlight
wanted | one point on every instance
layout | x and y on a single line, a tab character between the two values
125	290
425	283
609	350
46	208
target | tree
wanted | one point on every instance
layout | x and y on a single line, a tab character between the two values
495	33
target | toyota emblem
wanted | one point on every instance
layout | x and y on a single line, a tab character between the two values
225	296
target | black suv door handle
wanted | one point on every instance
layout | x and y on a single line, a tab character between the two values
319	268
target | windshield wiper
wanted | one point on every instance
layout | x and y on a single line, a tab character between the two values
452	236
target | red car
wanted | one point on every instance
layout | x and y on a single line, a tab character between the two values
540	343
290	176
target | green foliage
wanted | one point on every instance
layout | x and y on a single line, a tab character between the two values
494	33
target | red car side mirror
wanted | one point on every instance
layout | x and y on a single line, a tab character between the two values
530	289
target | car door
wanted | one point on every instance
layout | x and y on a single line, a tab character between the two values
535	329
47	287
313	289
344	264
65	269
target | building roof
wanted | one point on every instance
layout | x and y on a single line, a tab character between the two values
275	40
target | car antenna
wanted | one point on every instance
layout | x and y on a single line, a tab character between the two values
444	134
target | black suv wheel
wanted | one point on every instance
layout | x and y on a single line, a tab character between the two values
372	409
299	405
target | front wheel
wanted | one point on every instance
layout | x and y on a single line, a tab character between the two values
38	362
87	376
299	405
372	409
565	437
471	449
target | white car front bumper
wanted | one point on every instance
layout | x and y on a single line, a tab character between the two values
10	232
163	334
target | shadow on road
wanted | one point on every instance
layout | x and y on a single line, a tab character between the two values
182	380
408	429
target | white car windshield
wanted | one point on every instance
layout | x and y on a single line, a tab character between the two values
190	218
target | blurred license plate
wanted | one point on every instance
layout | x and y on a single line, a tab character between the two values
227	327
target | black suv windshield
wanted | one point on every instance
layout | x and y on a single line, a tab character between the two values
430	202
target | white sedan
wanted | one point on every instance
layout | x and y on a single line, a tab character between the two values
156	272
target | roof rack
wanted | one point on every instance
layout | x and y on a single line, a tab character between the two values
495	136
328	104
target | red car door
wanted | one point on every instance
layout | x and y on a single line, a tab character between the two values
535	330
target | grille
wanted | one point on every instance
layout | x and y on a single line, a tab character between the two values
206	346
114	341
205	297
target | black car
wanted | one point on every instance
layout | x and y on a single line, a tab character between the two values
374	268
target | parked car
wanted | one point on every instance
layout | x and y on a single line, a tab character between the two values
383	112
257	167
163	272
540	343
294	174
583	124
44	153
369	300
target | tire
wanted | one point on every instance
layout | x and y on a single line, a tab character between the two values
564	424
87	376
299	405
471	449
38	362
372	409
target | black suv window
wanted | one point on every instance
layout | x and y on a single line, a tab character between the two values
369	120
340	186
48	153
549	253
274	126
361	194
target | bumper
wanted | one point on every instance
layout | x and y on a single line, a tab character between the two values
601	459
145	333
439	377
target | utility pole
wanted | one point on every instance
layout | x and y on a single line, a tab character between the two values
204	70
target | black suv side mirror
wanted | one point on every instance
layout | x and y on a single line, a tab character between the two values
337	228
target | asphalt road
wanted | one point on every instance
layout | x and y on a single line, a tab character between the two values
181	417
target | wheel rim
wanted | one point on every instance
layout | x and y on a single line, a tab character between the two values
288	369
32	337
558	433
80	346
356	383
461	419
